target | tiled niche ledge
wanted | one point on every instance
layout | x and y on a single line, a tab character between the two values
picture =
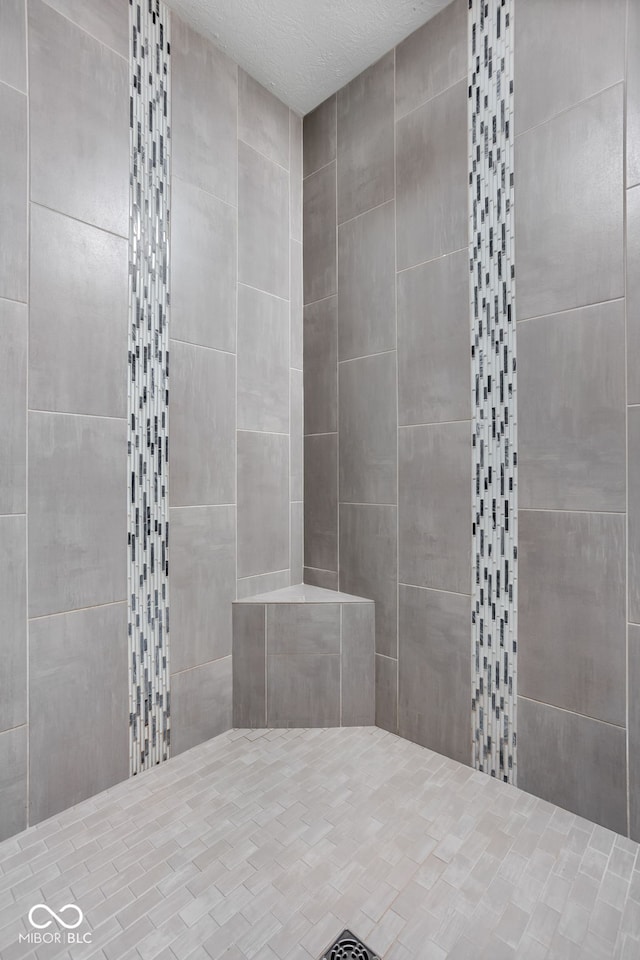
303	657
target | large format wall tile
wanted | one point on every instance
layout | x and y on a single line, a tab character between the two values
13	781
200	704
13	60
321	578
571	615
432	58
203	584
431	178
634	731
433	341
321	366
434	682
319	231
263	223
13	195
304	690
633	295
13	635
294	628
319	136
79	122
263	120
560	752
295	302
367	283
358	665
365	117
77	551
593	60
263	361
79	715
203	268
435	506
368	429
204	93
107	21
321	501
633	94
571	429
202	425
296	541
296	432
78	317
262	583
387	693
249	665
634	513
368	565
263	503
295	176
569	208
13	403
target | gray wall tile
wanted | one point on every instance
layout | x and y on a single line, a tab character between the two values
296	430
263	361
249	665
584	751
295	175
107	21
431	197
13	54
358	665
572	71
303	691
77	512
202	425
200	704
569	211
203	584
571	424
368	429
321	578
78	717
303	628
368	565
571	615
432	58
204	92
321	501
13	635
319	136
435	506
296	547
295	303
79	122
365	135
634	513
434	663
13	403
633	295
263	223
13	195
263	583
434	371
203	268
263	120
634	731
321	366
367	283
13	782
633	94
387	693
78	317
319	232
263	503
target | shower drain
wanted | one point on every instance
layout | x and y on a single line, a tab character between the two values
348	947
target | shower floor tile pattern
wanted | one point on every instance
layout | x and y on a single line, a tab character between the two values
266	844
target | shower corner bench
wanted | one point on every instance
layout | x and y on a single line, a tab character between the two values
303	656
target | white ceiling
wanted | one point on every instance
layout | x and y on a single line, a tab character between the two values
305	50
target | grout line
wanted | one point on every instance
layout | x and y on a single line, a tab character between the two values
435	96
63	613
580	306
86	223
235	398
263	155
396	725
424	263
68	413
10	86
268	293
263	433
5	516
574	713
26	401
363	213
74	23
433	423
337	295
197	666
207	193
419	586
606	513
204	346
324	166
626	385
311	303
572	106
367	356
266	679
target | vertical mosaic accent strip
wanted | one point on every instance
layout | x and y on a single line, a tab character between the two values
493	366
148	537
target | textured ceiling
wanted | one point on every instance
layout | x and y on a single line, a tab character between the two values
305	50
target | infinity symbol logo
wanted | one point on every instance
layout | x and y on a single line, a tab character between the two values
56	916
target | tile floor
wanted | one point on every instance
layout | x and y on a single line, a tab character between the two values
266	844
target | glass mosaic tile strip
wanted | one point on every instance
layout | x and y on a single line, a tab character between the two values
148	517
493	378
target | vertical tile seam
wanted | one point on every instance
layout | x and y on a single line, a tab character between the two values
626	431
395	283
27	798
